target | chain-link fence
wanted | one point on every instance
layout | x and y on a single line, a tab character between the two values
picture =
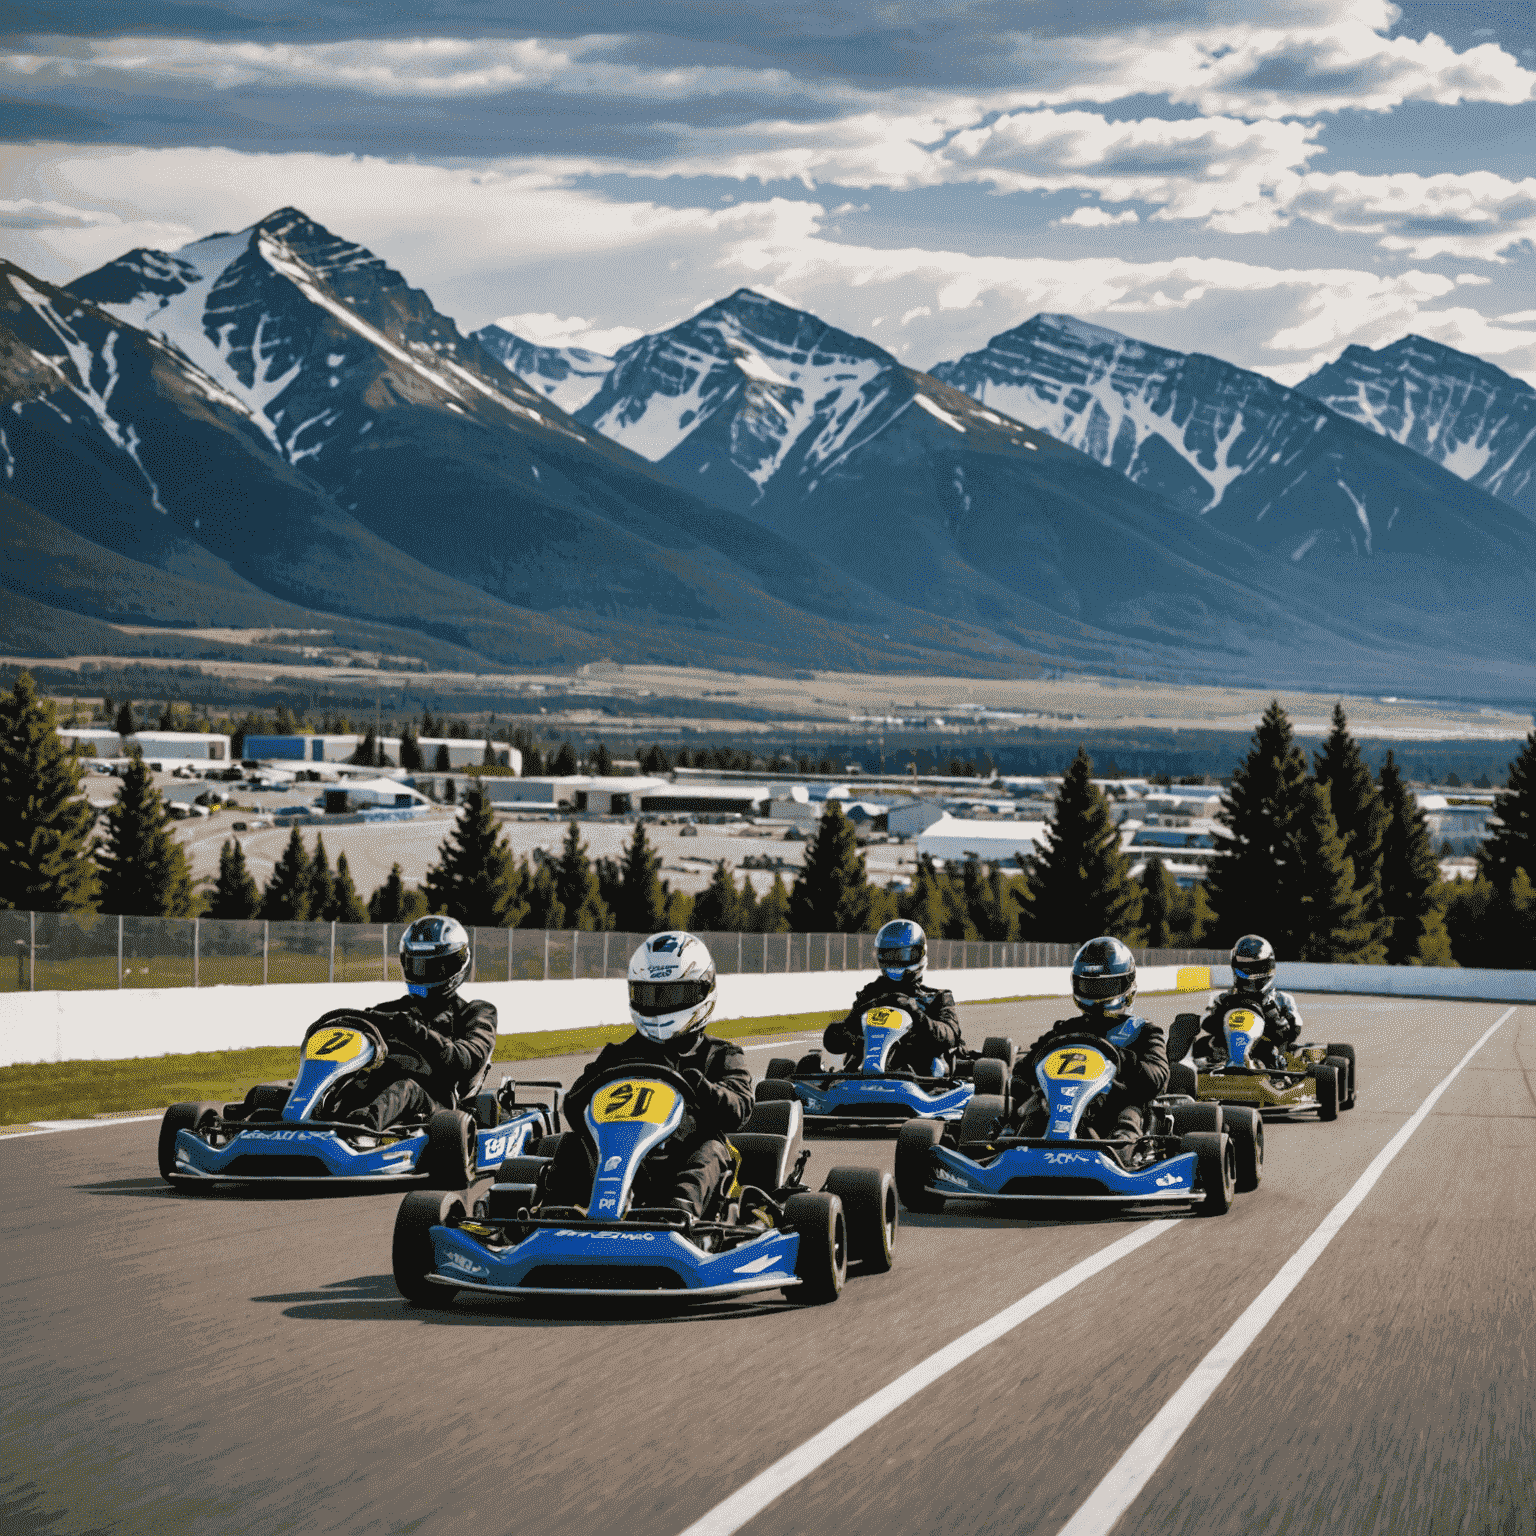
45	951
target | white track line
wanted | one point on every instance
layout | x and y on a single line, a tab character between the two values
53	1127
773	1045
753	1497
1135	1468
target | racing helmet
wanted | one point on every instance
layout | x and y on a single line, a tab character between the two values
1253	965
671	986
901	951
434	957
1104	978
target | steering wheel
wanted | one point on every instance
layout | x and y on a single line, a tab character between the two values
345	1019
638	1069
1094	1042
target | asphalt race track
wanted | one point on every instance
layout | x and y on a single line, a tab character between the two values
237	1362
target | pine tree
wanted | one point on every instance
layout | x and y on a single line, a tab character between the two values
1511	845
1081	883
1327	923
440	763
773	909
475	874
346	904
285	897
1362	823
1410	877
1157	903
234	893
367	753
576	885
989	908
143	868
322	885
387	904
717	908
45	822
544	906
564	764
639	904
410	749
831	892
488	757
125	725
923	901
1252	888
602	761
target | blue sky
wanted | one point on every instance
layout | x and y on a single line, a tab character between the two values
1266	182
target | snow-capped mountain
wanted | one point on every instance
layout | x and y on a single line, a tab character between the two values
1467	415
569	376
1264	463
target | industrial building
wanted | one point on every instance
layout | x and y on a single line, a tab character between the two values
462	753
183	746
1001	842
373	795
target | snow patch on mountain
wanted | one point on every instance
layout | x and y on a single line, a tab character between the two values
569	376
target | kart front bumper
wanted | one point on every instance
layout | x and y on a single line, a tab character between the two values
1257	1090
293	1155
870	1099
1078	1171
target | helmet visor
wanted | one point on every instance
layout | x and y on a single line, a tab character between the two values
651	999
1253	970
899	954
1100	988
431	970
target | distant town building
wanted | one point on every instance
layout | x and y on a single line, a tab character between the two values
339	749
198	746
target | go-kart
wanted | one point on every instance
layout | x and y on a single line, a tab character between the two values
764	1230
870	1094
279	1132
1316	1079
1193	1155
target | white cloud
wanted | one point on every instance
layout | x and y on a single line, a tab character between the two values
917	313
549	330
1091	217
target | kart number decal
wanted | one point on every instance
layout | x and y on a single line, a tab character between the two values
334	1045
651	1102
1241	1018
883	1018
1074	1061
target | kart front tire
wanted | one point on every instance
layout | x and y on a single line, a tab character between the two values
821	1260
271	1096
1210	1118
412	1254
779	1066
1182	1078
915	1142
448	1159
991	1077
1216	1167
981	1117
999	1048
1245	1126
548	1146
1348	1053
810	1062
1327	1081
772	1088
870	1208
180	1117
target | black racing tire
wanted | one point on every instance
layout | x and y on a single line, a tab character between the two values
1245	1125
775	1117
1182	1078
915	1142
1348	1053
1216	1168
548	1146
448	1159
521	1170
1188	1118
982	1117
1000	1048
272	1096
772	1088
870	1208
991	1077
181	1117
1327	1083
821	1261
487	1111
779	1066
810	1062
1181	1035
412	1253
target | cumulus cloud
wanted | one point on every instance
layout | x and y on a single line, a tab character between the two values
550	330
1091	217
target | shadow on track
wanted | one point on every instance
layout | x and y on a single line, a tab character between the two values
154	1188
1031	1215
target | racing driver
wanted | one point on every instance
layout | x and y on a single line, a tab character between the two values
1253	986
901	952
1103	987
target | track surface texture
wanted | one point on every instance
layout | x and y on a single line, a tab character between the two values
237	1362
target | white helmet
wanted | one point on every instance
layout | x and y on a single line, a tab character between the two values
671	986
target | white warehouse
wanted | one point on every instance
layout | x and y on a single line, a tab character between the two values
1001	842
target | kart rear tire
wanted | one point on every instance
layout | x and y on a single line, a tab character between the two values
870	1207
772	1088
1182	1078
1000	1048
1327	1082
448	1159
981	1117
1207	1118
1245	1125
915	1142
821	1260
548	1146
1216	1168
1348	1053
810	1062
779	1066
521	1170
180	1117
412	1255
1181	1035
991	1077
487	1111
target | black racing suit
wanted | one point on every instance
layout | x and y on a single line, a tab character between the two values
437	1050
690	1166
1282	1025
935	1025
1140	1077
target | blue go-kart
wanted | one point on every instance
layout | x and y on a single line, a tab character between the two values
1192	1155
870	1094
764	1230
279	1133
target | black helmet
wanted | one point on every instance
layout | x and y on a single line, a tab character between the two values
1104	978
434	957
901	951
1253	964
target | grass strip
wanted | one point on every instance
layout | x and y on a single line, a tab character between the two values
79	1090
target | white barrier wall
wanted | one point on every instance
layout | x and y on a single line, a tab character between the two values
111	1025
1408	981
